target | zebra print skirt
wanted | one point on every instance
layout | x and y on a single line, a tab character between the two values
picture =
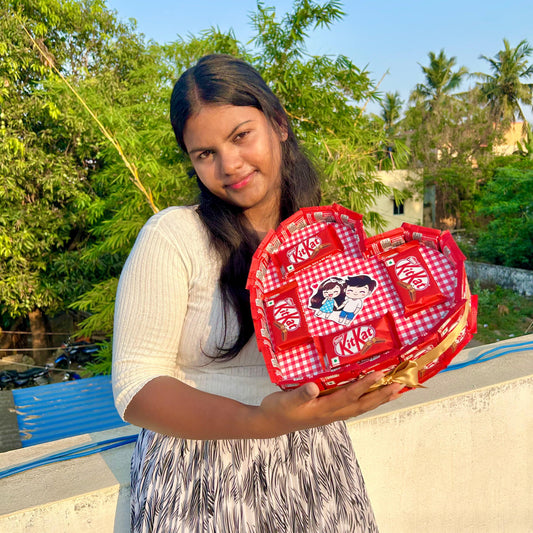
304	482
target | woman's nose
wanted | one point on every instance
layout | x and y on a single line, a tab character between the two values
230	160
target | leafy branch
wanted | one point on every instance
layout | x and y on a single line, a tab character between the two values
48	60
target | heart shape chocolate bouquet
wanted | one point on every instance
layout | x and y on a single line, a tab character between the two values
330	304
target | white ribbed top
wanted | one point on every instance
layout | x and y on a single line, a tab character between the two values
168	312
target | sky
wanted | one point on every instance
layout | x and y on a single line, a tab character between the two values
387	37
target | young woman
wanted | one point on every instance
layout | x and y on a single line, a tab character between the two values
222	450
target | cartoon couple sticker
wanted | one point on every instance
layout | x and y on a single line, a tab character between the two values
341	299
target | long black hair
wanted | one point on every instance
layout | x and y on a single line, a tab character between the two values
226	80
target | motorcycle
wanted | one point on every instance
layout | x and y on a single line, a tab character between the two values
71	376
79	352
13	379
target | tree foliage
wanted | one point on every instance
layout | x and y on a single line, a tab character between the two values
506	204
47	155
391	110
441	80
506	88
84	109
449	133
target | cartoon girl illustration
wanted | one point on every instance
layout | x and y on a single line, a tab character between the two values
357	288
328	296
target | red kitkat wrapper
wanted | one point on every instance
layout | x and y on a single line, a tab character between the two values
384	242
427	236
350	219
319	214
472	316
285	318
415	352
315	248
412	278
348	373
359	342
452	320
384	361
451	251
434	367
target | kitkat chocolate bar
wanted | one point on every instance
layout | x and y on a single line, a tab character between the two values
412	278
308	251
359	342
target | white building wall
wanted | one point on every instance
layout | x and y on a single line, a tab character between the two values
413	208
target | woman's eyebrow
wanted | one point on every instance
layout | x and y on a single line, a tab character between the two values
230	134
237	127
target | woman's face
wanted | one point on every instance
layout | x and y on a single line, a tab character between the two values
236	154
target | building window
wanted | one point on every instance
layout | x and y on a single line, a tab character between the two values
397	207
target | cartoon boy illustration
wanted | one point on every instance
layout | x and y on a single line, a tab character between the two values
356	290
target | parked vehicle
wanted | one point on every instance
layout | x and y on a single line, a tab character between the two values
13	379
79	352
71	376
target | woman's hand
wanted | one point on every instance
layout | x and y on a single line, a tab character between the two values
284	412
169	406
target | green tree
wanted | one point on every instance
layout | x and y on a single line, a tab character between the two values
449	134
391	113
391	110
47	155
506	204
441	80
506	88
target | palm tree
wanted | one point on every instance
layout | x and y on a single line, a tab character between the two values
504	89
391	108
441	80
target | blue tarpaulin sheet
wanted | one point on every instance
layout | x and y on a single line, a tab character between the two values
51	412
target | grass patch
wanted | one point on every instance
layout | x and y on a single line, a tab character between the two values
502	314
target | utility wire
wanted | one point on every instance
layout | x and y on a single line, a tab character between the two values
72	453
484	356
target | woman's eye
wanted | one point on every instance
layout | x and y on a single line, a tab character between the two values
241	135
205	154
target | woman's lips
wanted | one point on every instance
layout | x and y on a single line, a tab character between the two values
242	183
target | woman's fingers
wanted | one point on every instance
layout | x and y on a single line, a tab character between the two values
369	400
354	399
303	407
306	393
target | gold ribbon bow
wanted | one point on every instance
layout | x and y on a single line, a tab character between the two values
406	372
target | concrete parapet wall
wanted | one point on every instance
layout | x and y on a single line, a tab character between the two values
460	464
455	456
90	494
517	279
